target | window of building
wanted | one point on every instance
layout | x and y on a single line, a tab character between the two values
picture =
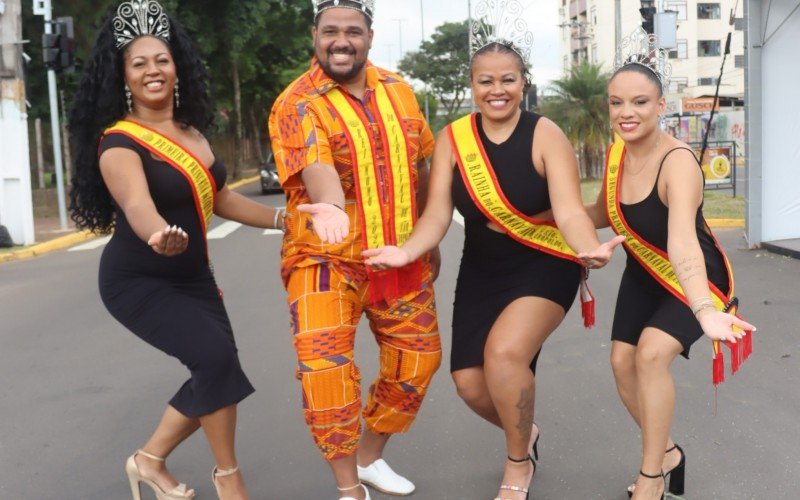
738	23
707	81
678	84
708	11
738	61
681	50
594	53
566	63
708	48
593	16
678	6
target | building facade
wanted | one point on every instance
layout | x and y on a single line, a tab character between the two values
588	33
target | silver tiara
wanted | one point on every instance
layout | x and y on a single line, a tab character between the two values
499	21
367	7
642	48
137	18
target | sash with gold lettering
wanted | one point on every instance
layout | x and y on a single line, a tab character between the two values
387	209
204	188
656	262
484	189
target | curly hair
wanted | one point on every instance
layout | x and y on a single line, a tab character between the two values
100	102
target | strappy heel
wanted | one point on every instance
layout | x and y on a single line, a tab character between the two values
366	491
217	472
676	475
534	446
520	489
135	478
656	476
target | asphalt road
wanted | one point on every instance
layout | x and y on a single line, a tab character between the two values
79	393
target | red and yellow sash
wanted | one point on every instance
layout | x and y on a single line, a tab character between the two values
388	211
484	189
656	262
204	188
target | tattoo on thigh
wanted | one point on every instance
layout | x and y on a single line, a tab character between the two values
525	406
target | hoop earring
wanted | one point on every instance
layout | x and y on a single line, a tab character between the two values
177	95
128	99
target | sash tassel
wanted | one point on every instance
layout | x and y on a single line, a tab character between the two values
718	366
587	304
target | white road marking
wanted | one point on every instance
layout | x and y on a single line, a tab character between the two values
272	231
223	230
91	245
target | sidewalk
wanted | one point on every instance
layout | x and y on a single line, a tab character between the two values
50	237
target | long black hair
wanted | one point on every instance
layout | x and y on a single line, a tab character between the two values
100	102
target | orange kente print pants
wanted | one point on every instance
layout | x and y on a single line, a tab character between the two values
325	305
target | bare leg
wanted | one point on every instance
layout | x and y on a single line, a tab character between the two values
472	388
220	430
173	429
370	447
344	471
514	340
656	399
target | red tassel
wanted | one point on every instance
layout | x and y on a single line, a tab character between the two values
747	344
393	283
587	311
718	369
735	356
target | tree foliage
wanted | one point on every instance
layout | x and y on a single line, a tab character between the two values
580	108
443	63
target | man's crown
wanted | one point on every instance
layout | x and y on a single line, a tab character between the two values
642	48
367	7
139	17
499	21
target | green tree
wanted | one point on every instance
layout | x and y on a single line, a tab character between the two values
580	108
443	63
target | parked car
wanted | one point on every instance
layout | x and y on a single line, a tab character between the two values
269	177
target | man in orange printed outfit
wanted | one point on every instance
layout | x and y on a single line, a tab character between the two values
350	144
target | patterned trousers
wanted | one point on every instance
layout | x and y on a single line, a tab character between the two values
325	305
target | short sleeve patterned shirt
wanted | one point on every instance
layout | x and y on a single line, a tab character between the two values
303	132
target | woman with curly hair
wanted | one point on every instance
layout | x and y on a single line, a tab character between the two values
145	170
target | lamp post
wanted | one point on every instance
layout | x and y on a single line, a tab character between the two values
422	31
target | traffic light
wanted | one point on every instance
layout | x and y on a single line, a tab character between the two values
648	11
58	47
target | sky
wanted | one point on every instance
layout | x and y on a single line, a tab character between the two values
398	24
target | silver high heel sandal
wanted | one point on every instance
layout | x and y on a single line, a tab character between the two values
136	479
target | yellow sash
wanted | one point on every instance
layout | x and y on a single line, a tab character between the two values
656	261
204	188
484	189
387	215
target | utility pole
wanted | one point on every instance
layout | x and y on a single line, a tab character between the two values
422	31
16	203
469	40
45	8
400	35
617	25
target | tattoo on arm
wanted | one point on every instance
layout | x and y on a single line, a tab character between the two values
689	267
525	406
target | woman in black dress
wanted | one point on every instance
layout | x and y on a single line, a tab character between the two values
659	195
509	296
155	276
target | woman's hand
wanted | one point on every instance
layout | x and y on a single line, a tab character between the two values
600	256
169	242
386	257
718	325
330	221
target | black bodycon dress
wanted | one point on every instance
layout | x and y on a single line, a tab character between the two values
642	301
496	269
173	303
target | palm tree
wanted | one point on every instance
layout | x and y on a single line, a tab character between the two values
580	108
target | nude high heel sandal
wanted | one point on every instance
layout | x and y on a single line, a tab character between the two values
136	479
217	472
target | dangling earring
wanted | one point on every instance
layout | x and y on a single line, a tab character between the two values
177	95
128	99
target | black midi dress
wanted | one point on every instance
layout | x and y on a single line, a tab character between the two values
173	303
496	269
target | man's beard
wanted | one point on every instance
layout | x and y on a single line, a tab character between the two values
340	77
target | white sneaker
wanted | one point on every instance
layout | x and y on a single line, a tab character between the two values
366	491
381	477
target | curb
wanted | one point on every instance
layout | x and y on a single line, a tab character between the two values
69	240
725	222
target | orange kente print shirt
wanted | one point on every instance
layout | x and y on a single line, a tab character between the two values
304	131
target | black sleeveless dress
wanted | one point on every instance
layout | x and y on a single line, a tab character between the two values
173	303
496	269
642	301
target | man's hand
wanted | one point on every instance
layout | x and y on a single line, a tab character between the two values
386	257
330	222
169	242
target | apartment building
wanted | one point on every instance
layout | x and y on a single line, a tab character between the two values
588	34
